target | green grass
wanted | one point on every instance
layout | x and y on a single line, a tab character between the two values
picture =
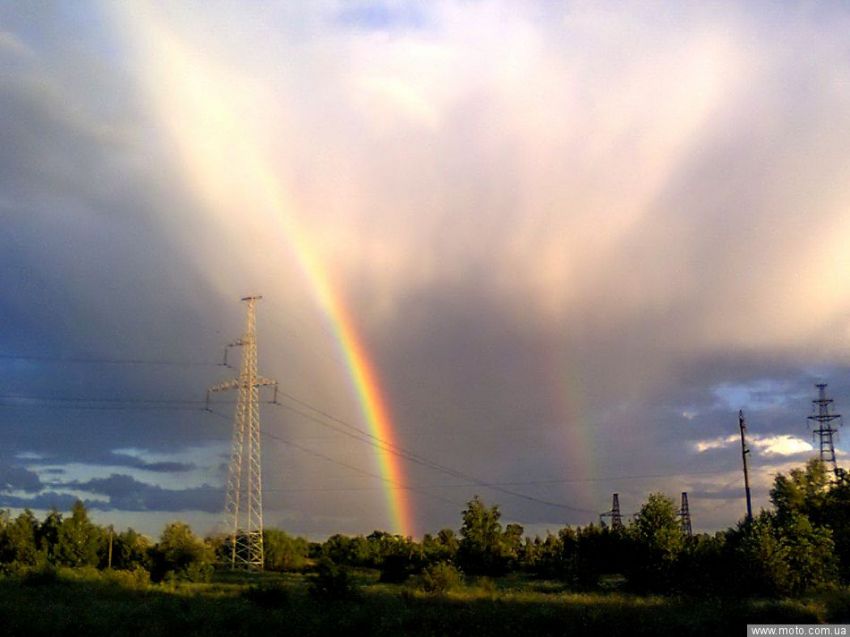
69	603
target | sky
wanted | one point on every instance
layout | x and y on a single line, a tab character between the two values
541	251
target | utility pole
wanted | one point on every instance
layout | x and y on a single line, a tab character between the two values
685	514
614	514
109	558
824	430
744	453
244	498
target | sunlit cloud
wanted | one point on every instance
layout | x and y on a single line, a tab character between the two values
780	445
629	221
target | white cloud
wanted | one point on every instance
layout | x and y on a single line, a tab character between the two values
702	446
776	445
781	445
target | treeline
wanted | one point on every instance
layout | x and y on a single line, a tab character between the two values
802	543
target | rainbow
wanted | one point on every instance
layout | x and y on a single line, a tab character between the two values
223	161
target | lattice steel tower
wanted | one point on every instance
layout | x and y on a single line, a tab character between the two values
824	430
614	514
244	499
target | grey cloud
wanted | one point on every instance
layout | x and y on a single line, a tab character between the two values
15	478
128	494
524	328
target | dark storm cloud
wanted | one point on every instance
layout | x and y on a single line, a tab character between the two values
128	494
15	478
576	241
48	500
114	459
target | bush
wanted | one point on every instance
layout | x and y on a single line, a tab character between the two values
332	581
137	579
440	578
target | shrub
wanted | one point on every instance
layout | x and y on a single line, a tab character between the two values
137	579
440	578
332	581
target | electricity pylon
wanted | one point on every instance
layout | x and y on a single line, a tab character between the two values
614	514
244	499
824	429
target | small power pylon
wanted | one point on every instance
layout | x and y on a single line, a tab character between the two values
244	499
614	514
824	430
745	451
685	514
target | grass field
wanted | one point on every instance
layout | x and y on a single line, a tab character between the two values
74	603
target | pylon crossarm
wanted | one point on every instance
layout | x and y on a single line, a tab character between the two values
233	383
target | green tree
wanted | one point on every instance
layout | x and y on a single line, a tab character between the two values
130	550
353	551
803	491
17	539
480	551
553	556
657	541
282	552
811	553
79	539
181	554
836	515
512	543
703	567
759	556
47	536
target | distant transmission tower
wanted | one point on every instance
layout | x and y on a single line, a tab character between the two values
824	430
244	499
685	514
614	514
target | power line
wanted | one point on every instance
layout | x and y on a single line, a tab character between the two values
359	434
86	360
339	425
327	458
344	428
119	401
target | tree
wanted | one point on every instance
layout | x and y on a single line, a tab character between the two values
802	491
836	515
17	539
481	548
181	554
79	539
703	567
342	549
282	552
440	548
47	536
657	541
512	542
759	558
811	553
130	550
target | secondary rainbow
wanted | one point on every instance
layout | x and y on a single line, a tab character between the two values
224	163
